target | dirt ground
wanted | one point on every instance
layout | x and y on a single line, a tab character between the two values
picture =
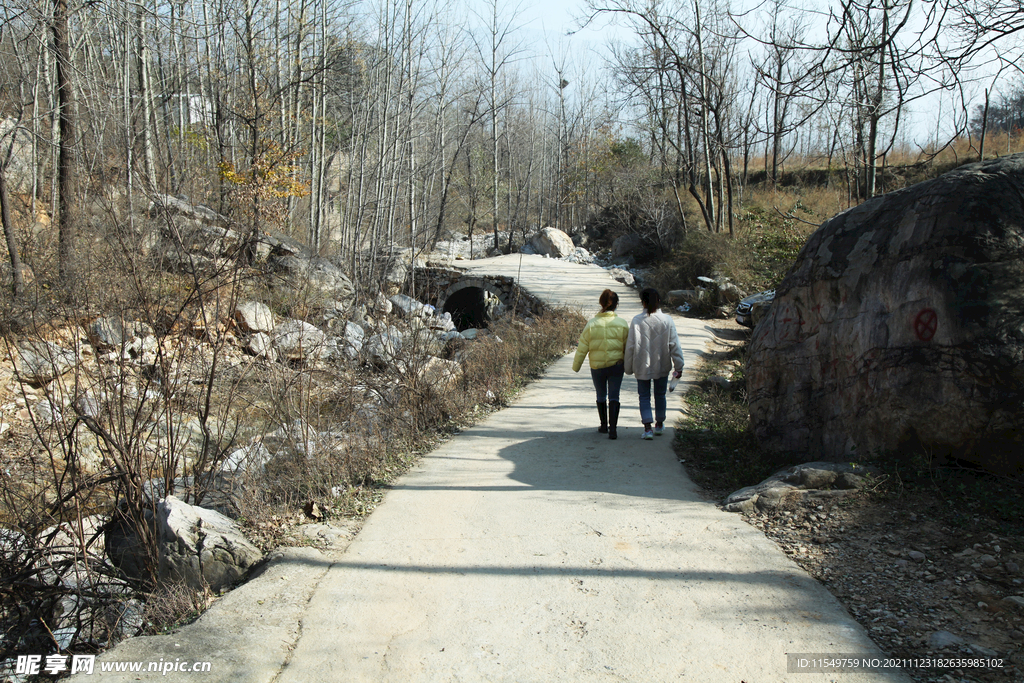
922	585
929	571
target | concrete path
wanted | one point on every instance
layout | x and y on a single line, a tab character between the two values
530	548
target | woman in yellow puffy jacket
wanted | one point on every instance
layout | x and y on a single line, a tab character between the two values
604	340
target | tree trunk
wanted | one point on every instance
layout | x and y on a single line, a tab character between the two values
984	129
145	95
66	148
17	281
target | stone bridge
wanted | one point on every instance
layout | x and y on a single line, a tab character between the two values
472	299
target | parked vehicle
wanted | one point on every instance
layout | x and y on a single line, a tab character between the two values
746	307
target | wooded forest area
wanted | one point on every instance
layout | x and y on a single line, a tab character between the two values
359	126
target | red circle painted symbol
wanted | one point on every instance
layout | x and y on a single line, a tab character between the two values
925	324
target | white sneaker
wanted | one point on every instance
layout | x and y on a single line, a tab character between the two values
659	430
648	435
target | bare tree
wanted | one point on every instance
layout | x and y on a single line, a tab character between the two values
61	47
498	49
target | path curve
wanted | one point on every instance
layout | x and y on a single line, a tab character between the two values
530	548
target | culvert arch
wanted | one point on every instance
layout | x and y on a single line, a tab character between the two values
466	301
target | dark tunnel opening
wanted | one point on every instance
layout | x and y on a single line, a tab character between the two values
469	308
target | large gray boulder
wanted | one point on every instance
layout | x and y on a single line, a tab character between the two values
385	348
261	345
251	457
351	340
108	334
813	481
201	547
439	374
40	361
298	340
198	239
407	305
899	327
253	316
552	242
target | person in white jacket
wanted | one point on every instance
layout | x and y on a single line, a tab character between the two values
652	349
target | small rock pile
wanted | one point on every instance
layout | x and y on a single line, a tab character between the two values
717	293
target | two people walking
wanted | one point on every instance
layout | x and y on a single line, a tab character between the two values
647	347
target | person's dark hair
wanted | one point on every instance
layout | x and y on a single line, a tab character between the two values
609	300
651	300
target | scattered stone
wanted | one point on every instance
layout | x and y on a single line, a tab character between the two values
87	405
384	349
351	342
719	381
982	651
792	485
730	293
439	374
311	278
581	256
676	297
917	556
248	458
1014	601
849	480
382	305
943	639
623	276
313	511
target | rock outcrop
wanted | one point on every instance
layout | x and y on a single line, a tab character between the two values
901	326
624	244
314	278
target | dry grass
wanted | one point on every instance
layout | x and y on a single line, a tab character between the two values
172	605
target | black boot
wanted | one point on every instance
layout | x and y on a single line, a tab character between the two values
602	412
613	418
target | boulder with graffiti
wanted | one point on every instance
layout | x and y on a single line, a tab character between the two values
901	327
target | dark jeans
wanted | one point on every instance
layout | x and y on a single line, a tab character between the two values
660	400
607	382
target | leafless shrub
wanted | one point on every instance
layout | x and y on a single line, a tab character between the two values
174	604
